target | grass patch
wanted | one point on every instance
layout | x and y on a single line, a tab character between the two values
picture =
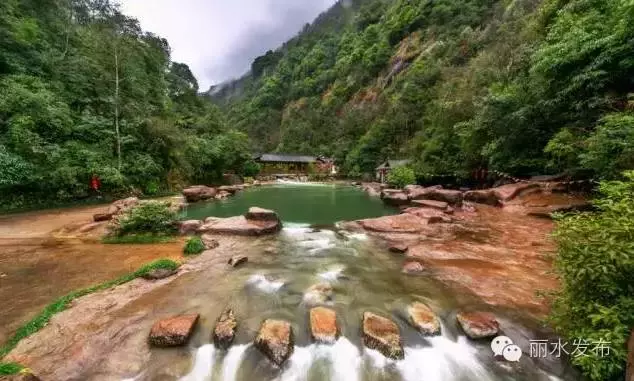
194	246
62	303
9	368
139	239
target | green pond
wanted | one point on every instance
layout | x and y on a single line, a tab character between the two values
315	204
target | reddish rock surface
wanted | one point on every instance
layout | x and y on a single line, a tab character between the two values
417	192
478	325
423	318
394	197
398	248
485	196
199	193
383	335
402	223
209	242
432	216
259	214
508	192
439	205
173	331
275	340
323	325
239	225
225	329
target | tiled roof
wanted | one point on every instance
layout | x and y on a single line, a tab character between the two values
282	158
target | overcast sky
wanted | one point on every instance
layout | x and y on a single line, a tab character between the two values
219	39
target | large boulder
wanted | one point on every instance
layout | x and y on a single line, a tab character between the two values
383	335
259	214
423	318
256	222
417	192
199	193
508	192
189	227
275	340
173	331
401	223
225	329
232	189
319	293
485	196
478	325
394	197
116	208
453	197
323	325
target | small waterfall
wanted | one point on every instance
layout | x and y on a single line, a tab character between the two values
231	363
260	282
203	364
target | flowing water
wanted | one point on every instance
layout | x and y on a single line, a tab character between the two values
364	276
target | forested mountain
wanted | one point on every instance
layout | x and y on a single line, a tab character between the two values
85	92
520	86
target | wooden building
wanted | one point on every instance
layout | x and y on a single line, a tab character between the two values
384	169
274	163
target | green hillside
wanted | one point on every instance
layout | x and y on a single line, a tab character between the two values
519	86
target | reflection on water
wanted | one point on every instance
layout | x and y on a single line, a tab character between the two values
363	278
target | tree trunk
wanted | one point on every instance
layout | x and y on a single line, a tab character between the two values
116	107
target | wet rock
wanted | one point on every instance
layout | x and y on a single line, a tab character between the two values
189	227
401	223
319	293
222	195
275	340
259	214
394	197
209	242
398	248
199	193
485	196
323	325
423	318
225	330
433	216
231	189
478	325
383	335
508	192
158	274
413	267
89	227
239	225
439	205
238	260
173	331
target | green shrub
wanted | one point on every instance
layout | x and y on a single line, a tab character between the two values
194	246
595	263
399	177
7	369
149	217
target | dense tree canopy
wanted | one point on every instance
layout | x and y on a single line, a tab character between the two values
84	91
525	87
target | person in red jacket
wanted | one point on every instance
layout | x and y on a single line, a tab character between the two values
95	183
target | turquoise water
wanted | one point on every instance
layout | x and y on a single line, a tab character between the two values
310	204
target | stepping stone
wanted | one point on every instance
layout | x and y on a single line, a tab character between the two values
225	330
259	214
275	340
173	331
323	325
383	335
478	325
423	318
238	260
